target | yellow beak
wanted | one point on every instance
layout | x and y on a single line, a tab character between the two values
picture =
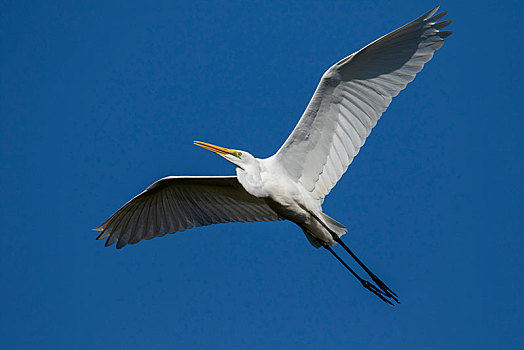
216	149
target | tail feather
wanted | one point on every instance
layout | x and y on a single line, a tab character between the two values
314	242
334	225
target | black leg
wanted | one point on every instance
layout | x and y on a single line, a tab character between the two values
386	290
364	283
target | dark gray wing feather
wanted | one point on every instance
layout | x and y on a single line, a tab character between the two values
176	203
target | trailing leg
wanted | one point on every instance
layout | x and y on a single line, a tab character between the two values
369	286
386	290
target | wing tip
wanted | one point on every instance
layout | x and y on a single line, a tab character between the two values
440	25
102	235
430	13
445	33
120	244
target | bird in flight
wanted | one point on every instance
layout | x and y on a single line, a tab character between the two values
292	183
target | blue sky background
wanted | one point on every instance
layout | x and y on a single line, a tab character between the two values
100	99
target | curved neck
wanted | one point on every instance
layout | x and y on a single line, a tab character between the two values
250	178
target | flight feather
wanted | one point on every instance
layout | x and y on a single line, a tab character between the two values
351	97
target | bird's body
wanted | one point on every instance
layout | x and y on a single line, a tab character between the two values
292	184
266	179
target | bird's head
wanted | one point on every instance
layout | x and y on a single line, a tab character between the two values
242	159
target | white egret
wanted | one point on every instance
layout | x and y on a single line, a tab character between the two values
291	184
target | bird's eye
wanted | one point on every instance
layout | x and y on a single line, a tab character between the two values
239	154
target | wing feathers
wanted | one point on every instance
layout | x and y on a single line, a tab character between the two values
177	203
351	97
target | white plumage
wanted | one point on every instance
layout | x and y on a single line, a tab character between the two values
292	184
351	97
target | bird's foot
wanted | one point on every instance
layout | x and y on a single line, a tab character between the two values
385	289
376	291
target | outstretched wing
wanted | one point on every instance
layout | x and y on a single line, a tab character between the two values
351	97
177	203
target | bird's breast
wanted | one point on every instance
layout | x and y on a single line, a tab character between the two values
285	198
